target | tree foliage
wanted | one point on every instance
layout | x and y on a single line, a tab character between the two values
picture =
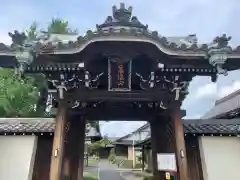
93	124
32	32
94	147
18	97
112	156
60	26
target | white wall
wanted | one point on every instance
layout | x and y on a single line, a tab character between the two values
17	155
138	136
220	157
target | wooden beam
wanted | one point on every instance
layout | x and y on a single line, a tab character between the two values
180	142
58	144
116	113
131	96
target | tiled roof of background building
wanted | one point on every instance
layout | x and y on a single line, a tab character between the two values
34	125
190	126
225	105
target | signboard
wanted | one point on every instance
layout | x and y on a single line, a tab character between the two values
166	162
119	74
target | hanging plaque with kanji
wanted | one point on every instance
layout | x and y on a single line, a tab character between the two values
119	74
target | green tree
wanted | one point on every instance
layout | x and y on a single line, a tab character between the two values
94	147
32	32
18	97
60	26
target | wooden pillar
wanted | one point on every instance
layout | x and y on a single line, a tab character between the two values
180	142
81	143
74	154
143	157
149	160
162	142
66	159
66	167
58	144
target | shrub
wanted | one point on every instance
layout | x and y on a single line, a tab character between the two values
112	156
139	158
148	171
119	159
127	164
148	178
138	166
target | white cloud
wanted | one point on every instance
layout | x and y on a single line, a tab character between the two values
120	128
212	90
206	91
226	90
4	38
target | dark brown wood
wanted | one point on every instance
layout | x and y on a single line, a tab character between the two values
114	113
74	152
43	158
58	144
143	158
162	141
132	96
149	160
79	130
194	158
180	142
67	152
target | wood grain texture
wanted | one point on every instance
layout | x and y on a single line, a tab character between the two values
180	142
58	144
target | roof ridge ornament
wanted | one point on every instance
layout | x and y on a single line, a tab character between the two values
222	41
18	39
24	50
122	14
122	17
218	53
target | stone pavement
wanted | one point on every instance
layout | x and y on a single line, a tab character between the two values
134	175
108	171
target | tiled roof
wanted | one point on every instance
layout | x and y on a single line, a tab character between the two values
33	125
213	126
137	130
224	105
206	127
123	142
216	126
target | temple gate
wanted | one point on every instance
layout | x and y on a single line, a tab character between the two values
122	70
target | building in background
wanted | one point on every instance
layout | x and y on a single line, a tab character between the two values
227	107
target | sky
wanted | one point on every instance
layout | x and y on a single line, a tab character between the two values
205	18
